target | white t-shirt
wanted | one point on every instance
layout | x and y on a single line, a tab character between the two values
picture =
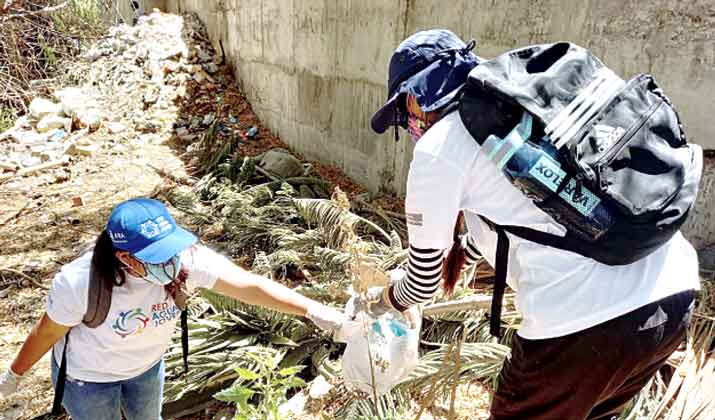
140	323
558	292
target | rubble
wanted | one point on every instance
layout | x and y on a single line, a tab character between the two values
41	107
51	121
281	163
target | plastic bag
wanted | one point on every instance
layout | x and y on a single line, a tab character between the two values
393	343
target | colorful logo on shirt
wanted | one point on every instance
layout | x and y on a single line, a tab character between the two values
130	322
163	312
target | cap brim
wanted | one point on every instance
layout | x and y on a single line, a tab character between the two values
385	116
164	249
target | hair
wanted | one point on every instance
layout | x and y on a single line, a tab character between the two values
105	263
456	258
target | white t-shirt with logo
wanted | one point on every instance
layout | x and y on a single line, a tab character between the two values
558	292
140	323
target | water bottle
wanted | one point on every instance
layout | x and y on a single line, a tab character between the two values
536	171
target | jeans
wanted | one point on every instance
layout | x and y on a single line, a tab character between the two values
137	398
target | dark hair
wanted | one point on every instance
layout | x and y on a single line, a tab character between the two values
105	263
456	258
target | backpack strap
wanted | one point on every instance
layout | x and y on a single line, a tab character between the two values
185	339
177	290
501	262
61	378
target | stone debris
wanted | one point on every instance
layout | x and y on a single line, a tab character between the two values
41	107
50	122
140	85
281	163
115	127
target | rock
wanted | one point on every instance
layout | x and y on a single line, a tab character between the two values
73	100
41	107
115	127
208	119
204	56
201	77
281	163
86	150
181	131
70	149
151	96
6	291
93	55
53	121
89	118
195	122
145	126
211	68
170	67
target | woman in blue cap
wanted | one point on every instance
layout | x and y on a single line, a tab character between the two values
592	335
111	312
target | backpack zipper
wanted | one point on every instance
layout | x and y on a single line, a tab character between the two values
608	157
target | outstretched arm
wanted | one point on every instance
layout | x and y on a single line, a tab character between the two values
218	273
258	290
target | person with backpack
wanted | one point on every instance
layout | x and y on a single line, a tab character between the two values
573	185
112	311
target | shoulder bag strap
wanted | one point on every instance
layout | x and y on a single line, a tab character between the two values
61	378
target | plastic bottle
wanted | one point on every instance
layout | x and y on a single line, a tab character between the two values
536	171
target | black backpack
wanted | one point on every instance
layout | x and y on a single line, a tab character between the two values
607	159
99	300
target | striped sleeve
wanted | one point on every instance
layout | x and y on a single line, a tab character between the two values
424	273
470	249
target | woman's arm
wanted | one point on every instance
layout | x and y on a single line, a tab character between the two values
42	337
258	290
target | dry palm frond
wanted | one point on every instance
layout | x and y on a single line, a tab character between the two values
694	381
334	220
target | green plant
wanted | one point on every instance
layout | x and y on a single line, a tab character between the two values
266	384
7	119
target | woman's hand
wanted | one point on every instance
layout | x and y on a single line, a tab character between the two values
9	382
326	318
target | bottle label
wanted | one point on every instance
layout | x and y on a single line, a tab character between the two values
550	174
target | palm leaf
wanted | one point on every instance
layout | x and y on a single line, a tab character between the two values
331	220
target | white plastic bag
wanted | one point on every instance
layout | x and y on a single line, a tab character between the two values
393	344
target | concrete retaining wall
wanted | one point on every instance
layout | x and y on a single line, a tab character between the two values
315	70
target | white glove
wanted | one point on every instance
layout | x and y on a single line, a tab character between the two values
9	382
326	318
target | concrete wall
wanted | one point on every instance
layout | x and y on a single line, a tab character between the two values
315	70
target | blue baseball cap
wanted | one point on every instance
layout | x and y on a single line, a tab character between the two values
144	228
430	65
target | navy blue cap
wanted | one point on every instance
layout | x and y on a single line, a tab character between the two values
430	65
144	228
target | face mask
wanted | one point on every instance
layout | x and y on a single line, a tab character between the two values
415	127
164	273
